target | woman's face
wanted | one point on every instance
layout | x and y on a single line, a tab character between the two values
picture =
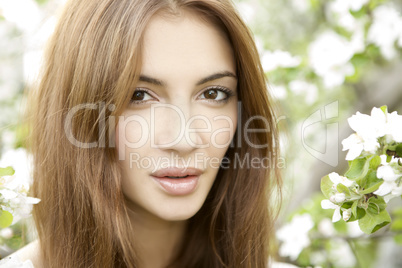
181	119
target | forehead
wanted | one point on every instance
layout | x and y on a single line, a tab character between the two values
185	44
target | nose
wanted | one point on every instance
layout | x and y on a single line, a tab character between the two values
172	129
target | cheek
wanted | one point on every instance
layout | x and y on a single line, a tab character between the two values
222	132
224	127
131	133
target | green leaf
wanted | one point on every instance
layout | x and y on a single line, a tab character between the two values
357	168
375	162
371	179
326	186
396	225
6	218
398	150
398	239
371	223
379	201
372	188
358	214
347	205
354	208
8	171
41	2
343	189
373	209
384	108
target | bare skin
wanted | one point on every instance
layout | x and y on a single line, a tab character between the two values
180	52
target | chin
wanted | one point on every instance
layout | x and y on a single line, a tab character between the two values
179	212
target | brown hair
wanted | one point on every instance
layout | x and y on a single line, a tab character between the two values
94	57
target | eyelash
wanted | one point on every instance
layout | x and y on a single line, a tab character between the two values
140	90
229	93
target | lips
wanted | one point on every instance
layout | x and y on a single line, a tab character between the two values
177	172
177	181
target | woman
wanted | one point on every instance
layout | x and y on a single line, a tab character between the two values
146	129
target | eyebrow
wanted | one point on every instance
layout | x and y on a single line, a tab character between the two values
215	76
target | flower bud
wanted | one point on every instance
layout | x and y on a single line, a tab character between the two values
346	214
337	198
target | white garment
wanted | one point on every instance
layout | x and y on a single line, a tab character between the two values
15	262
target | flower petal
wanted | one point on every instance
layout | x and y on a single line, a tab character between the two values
386	173
345	181
326	204
385	188
339	197
351	141
337	214
334	177
8	194
354	152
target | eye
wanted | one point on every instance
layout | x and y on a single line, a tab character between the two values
141	95
217	94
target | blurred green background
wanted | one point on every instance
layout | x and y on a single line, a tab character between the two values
324	59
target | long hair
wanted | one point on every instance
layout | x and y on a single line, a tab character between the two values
93	62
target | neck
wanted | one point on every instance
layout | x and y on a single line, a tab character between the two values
158	241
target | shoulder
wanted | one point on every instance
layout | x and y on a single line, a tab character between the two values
28	256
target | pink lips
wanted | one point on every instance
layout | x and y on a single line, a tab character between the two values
177	181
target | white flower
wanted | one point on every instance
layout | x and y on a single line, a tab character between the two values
6	233
396	191
326	204
8	194
389	189
336	179
354	229
24	13
379	123
302	87
14	189
340	253
21	162
394	126
294	236
337	198
329	56
339	10
247	11
326	227
355	144
343	6
21	207
386	172
368	130
346	214
273	60
15	262
278	91
369	126
385	30
301	5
